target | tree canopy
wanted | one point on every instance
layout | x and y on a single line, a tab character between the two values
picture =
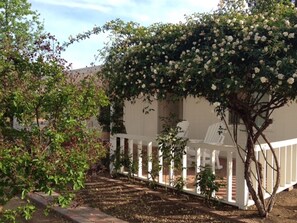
216	56
45	144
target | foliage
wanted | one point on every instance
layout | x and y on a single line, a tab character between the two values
179	184
123	160
104	118
171	145
206	181
154	173
112	119
19	25
25	211
45	144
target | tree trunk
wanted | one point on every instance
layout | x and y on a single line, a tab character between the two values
248	176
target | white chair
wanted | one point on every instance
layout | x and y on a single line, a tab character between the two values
183	129
214	136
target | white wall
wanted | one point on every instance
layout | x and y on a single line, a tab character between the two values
284	124
138	123
200	114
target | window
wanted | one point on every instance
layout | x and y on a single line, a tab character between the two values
259	119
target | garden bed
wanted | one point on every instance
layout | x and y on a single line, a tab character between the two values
133	201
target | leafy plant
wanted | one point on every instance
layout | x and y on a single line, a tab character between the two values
119	160
154	173
206	181
179	184
45	144
171	145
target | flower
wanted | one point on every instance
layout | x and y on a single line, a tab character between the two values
278	63
257	70
216	104
263	80
285	33
290	80
280	76
229	38
287	22
291	36
213	87
263	38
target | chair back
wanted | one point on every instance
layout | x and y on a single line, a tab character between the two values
183	129
215	134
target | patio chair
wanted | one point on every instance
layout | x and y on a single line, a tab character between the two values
214	136
183	129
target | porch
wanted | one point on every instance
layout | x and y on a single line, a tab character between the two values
147	164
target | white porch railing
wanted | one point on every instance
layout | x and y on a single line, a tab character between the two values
286	153
143	152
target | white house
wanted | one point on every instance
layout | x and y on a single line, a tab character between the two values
200	115
142	130
141	146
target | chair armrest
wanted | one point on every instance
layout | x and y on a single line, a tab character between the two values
195	140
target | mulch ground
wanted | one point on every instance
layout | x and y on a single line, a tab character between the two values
132	201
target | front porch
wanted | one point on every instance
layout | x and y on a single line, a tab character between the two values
148	164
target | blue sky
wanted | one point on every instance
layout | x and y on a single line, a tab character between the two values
64	18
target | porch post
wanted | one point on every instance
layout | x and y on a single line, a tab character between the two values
242	194
112	150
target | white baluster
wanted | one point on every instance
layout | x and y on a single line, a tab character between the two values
184	170
229	175
149	160
139	155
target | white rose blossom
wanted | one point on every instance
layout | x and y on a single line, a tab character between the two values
280	76
217	104
287	22
290	80
291	36
263	38
257	70
213	87
229	38
285	33
263	80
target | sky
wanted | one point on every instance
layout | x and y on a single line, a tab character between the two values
65	18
